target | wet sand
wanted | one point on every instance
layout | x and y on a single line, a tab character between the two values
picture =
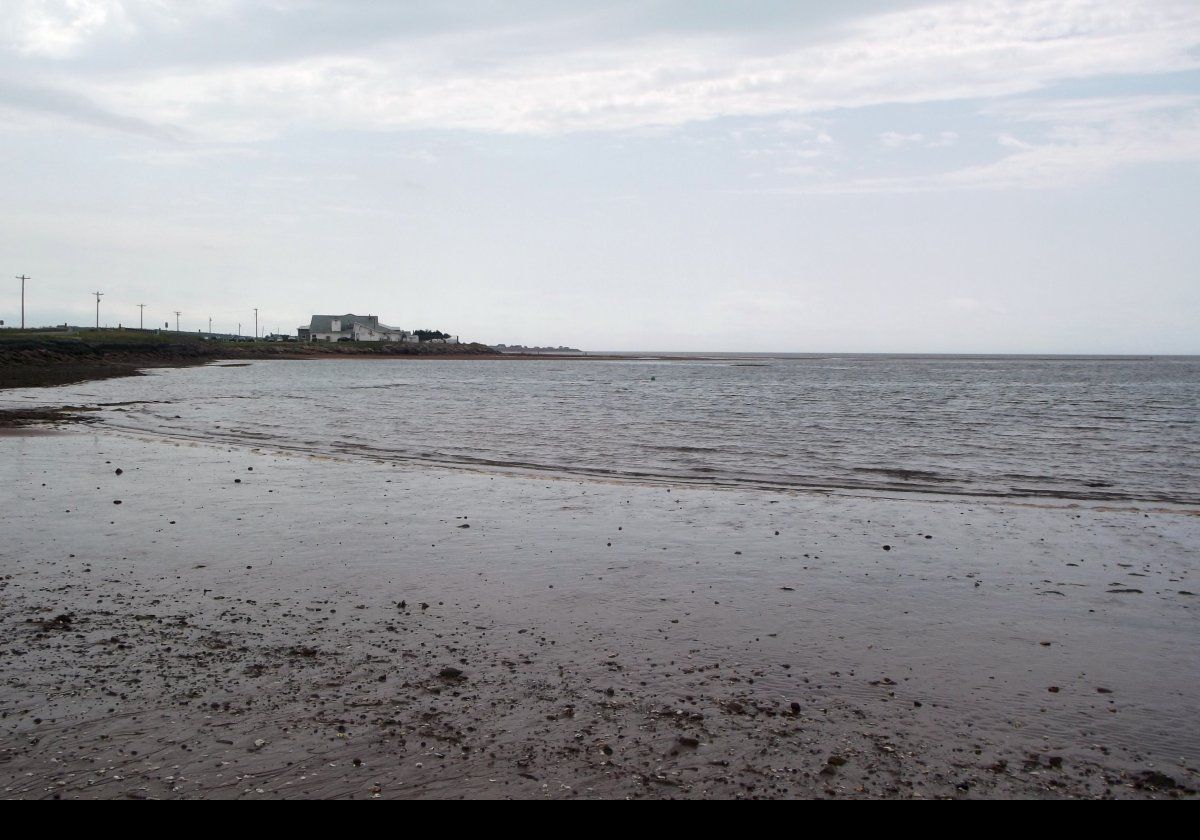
250	624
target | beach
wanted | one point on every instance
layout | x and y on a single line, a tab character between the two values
190	619
600	401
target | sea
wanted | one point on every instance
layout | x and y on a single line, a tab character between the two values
1097	429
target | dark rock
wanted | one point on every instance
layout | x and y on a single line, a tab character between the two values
1156	780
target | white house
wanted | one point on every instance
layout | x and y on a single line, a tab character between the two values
352	328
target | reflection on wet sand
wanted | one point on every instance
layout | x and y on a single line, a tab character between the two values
254	624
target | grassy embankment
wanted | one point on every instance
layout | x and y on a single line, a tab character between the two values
30	358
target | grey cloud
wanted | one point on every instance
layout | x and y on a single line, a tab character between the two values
77	108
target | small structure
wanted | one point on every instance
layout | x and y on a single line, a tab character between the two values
352	328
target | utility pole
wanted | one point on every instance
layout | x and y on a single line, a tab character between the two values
177	314
23	278
210	326
98	296
141	316
256	323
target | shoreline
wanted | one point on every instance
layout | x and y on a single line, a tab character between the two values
40	360
1035	500
51	420
575	639
49	375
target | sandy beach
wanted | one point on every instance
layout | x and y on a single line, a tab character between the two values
191	620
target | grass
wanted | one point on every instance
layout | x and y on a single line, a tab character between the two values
101	338
129	341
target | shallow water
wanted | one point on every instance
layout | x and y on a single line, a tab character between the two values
1076	428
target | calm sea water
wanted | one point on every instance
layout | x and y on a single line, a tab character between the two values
1089	429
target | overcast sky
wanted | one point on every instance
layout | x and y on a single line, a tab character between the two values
663	174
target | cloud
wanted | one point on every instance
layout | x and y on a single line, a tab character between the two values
484	81
60	30
57	28
899	140
1081	139
515	78
896	140
1010	142
944	139
190	155
59	105
1139	130
786	147
1074	154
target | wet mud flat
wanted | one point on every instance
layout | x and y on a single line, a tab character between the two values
38	419
49	375
190	621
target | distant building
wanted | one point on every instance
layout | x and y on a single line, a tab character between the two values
352	328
